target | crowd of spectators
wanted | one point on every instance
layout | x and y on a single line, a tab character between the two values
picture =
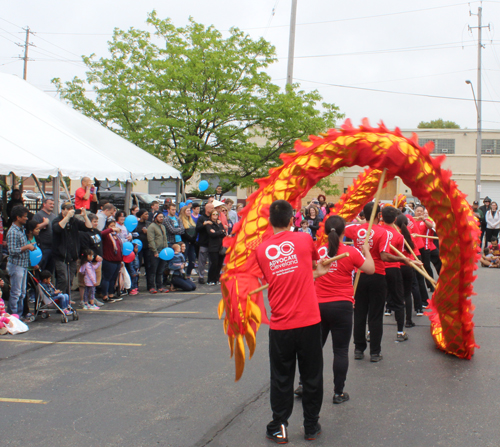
84	251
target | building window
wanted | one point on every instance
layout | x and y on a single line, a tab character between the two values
490	147
441	145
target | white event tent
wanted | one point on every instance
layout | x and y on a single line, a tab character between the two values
42	136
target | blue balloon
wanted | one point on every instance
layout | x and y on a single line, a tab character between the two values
181	205
35	256
130	223
167	254
137	242
203	185
127	248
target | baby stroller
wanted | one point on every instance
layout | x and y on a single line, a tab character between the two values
44	303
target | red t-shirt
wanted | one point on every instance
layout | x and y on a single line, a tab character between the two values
378	242
80	202
397	240
336	285
427	244
286	259
414	228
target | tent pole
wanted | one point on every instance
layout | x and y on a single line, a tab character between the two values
177	196
128	195
64	186
56	189
38	185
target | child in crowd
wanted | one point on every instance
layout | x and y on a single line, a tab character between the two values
304	228
176	266
494	247
489	260
56	295
178	261
88	268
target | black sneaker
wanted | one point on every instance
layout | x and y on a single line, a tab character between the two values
311	436
402	337
340	398
279	436
409	324
387	313
376	357
420	313
201	281
299	391
358	355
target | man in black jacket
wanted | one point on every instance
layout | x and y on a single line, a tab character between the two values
485	208
201	229
66	244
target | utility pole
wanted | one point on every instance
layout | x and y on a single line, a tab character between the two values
479	144
25	58
291	43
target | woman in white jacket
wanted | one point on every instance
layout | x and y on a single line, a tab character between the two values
492	222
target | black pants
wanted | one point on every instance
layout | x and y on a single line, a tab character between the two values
426	259
436	260
369	303
395	295
157	267
285	348
424	296
336	317
408	275
216	261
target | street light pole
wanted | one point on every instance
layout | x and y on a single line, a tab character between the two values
478	145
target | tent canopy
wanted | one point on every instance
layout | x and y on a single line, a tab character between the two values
41	135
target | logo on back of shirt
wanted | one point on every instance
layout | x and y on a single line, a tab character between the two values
323	253
281	257
362	235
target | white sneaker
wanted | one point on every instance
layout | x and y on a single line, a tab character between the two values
93	307
85	306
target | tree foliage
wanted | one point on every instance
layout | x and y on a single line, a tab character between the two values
197	100
438	124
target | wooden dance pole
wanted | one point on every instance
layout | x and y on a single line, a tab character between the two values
372	218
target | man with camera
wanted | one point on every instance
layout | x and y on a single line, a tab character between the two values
85	194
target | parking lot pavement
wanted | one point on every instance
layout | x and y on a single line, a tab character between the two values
154	370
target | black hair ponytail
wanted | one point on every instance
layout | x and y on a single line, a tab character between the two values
401	222
334	227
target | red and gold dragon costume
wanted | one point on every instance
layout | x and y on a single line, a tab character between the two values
450	309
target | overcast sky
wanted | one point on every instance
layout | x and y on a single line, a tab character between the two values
422	48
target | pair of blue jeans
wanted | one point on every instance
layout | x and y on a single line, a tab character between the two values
18	278
110	270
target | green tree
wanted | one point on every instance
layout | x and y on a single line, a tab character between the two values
438	124
197	100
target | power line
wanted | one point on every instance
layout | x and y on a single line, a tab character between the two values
439	46
363	17
39	37
393	92
13	24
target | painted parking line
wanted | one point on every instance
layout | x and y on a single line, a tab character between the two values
98	343
138	311
22	401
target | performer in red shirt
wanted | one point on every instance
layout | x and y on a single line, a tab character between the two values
423	225
287	260
372	289
407	272
85	194
419	291
395	289
336	299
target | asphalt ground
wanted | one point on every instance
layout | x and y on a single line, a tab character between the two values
154	370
